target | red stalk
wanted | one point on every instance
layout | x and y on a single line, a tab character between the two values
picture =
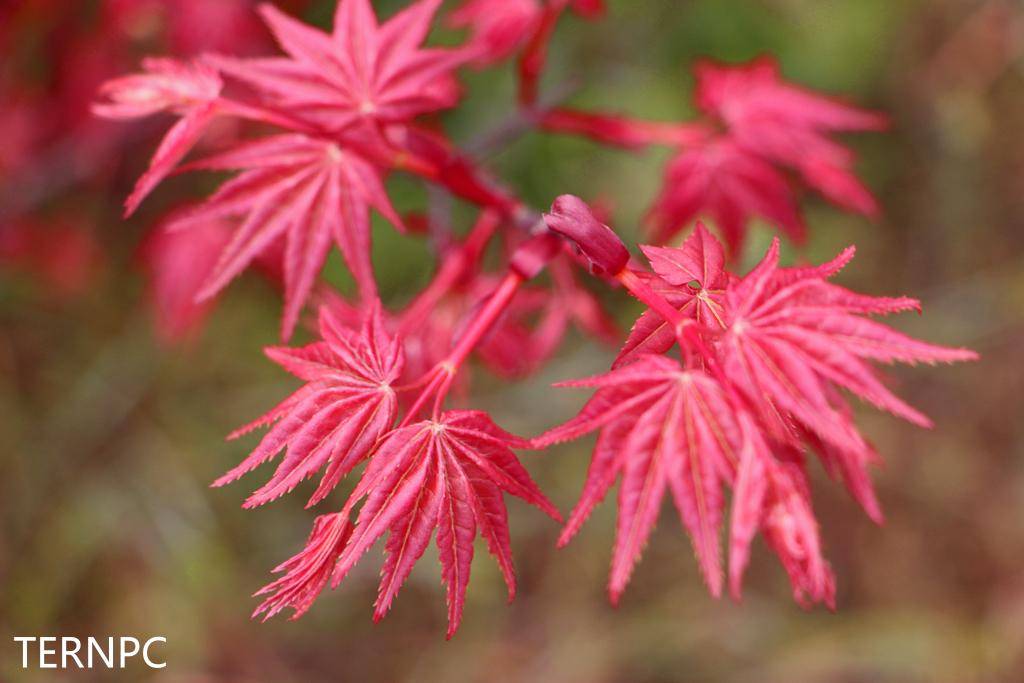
453	268
444	372
535	56
656	302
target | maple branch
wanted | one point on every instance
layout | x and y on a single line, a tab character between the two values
521	121
528	261
434	379
638	288
439	218
495	306
452	269
623	131
443	374
534	58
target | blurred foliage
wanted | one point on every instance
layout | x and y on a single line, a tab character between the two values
107	525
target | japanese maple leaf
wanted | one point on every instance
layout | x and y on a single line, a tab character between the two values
663	429
501	27
790	125
308	192
790	336
692	278
446	474
306	573
190	90
362	72
721	180
177	262
334	421
772	495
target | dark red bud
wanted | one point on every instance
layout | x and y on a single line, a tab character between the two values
570	217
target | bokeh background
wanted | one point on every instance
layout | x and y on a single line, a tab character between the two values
108	439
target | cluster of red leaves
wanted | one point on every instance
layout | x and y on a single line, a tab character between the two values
447	473
761	139
763	357
348	103
53	57
503	27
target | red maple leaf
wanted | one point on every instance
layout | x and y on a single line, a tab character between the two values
721	180
663	429
306	191
500	27
766	357
336	418
692	278
362	72
307	572
790	336
177	263
448	473
190	90
772	495
789	125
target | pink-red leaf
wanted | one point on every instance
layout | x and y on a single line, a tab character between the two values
306	573
189	90
662	428
362	72
335	420
789	125
791	336
447	473
305	191
720	180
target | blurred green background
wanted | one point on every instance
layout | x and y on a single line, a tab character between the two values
107	526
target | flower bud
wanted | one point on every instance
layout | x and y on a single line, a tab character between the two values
571	218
